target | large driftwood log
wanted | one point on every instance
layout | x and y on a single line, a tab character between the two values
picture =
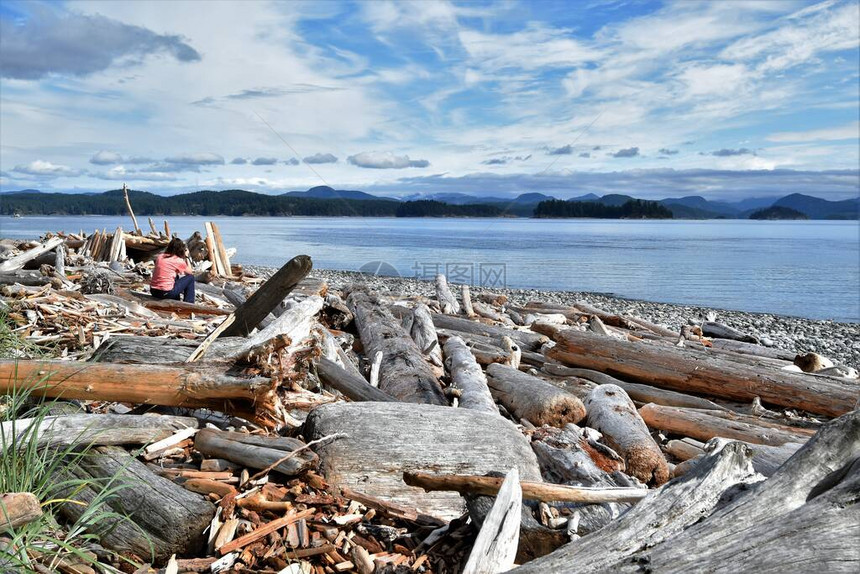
752	349
141	384
387	439
804	516
404	373
268	296
90	429
637	392
447	301
165	519
720	331
703	372
257	452
611	412
661	515
528	340
467	376
532	398
18	261
351	385
702	426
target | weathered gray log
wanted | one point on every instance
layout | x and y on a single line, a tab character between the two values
268	296
611	412
532	398
703	426
90	429
495	547
404	372
528	340
60	261
752	349
699	371
638	392
18	261
165	519
424	334
467	376
720	331
447	301
253	451
467	301
663	514
336	312
28	278
766	459
351	385
387	439
804	516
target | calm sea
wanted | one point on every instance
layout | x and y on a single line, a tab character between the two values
803	268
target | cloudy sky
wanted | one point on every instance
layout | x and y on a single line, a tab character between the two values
724	99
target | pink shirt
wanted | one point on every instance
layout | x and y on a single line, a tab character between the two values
167	267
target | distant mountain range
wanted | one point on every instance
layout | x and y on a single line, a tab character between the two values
324	200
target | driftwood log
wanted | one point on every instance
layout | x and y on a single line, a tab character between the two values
423	332
18	261
90	429
528	340
268	296
447	301
699	371
387	439
404	372
257	452
17	509
495	547
351	385
532	398
467	376
165	519
611	412
702	426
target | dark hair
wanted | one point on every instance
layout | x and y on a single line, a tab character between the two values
175	247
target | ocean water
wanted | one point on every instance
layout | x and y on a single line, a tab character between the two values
802	268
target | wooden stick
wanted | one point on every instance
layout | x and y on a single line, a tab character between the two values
545	492
263	530
130	211
198	352
167	229
222	253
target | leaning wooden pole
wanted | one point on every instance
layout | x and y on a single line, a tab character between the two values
137	230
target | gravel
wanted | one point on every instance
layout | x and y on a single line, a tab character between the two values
838	341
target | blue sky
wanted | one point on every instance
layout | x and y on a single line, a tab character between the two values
725	99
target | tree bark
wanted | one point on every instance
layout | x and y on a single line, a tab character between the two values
387	439
467	376
611	412
141	384
268	296
704	372
172	519
532	398
404	373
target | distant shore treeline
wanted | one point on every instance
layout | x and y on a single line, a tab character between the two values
239	202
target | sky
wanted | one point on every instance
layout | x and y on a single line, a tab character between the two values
724	99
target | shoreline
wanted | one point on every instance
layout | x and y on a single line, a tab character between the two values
839	341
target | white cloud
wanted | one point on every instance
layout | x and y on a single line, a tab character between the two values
849	132
42	168
207	158
386	160
106	158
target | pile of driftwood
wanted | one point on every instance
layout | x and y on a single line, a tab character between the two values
291	426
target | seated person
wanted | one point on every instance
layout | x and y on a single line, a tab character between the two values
172	277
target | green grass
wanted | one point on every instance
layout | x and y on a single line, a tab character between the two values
25	467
